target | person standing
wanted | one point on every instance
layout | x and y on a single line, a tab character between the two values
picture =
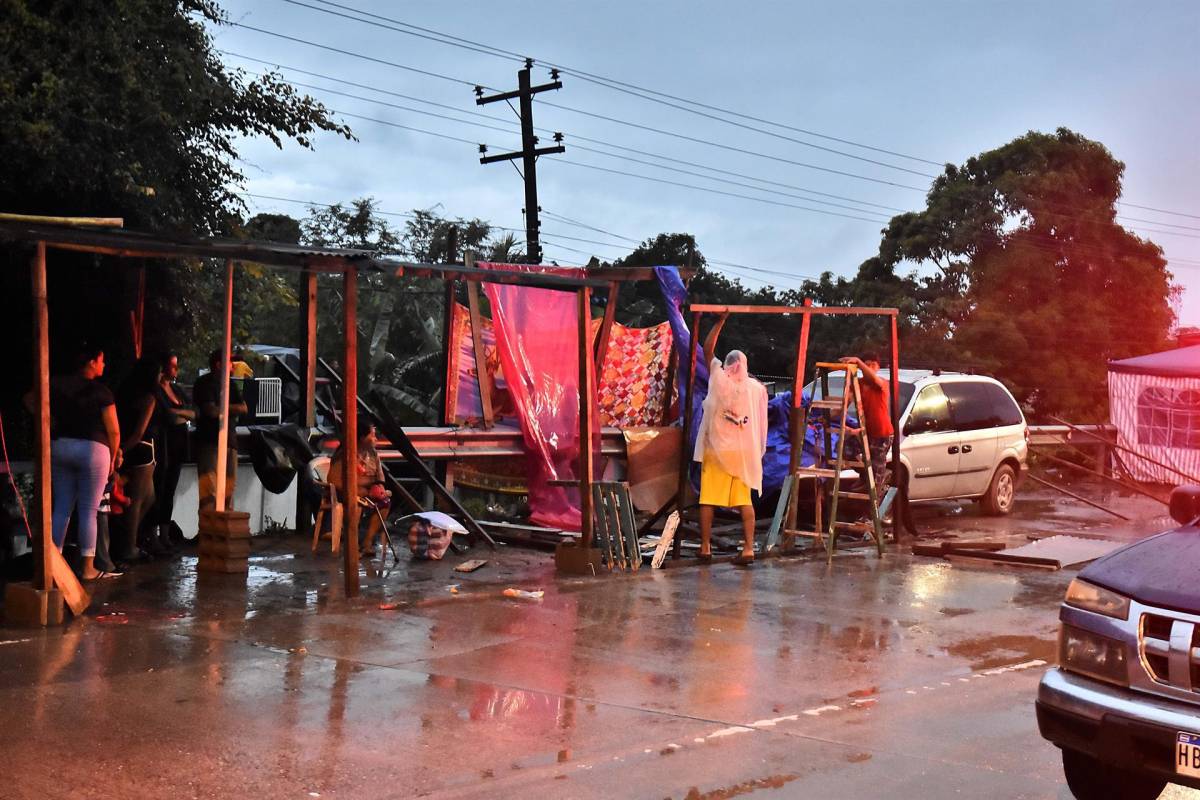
171	446
85	451
207	396
730	444
139	415
875	414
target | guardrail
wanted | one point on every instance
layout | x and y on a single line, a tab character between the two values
1065	434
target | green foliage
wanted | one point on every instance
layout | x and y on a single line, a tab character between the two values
122	108
1034	281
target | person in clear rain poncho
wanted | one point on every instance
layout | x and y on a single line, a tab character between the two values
730	443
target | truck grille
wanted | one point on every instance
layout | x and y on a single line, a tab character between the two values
1169	650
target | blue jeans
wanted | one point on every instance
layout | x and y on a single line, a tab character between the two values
78	471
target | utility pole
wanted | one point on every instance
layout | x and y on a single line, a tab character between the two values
529	150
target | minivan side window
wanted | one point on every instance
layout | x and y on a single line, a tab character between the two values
977	405
930	413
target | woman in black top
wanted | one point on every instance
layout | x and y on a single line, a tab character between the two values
84	451
137	409
170	448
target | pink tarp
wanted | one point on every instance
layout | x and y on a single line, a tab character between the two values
537	336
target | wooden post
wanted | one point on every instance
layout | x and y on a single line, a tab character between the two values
43	541
587	421
481	373
223	382
350	425
685	457
797	422
446	414
900	512
308	381
610	316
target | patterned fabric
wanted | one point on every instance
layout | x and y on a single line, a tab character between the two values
634	376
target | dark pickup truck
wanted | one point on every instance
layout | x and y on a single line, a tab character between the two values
1124	703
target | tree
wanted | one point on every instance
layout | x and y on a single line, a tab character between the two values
1032	278
122	108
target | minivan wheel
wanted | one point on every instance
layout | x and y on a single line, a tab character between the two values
1002	493
1092	779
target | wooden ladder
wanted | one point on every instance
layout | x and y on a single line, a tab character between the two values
828	413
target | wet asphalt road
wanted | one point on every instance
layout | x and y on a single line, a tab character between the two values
907	677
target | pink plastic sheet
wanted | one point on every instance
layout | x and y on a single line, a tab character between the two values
537	336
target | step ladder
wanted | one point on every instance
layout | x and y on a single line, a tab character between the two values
826	415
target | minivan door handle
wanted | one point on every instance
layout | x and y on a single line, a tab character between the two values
966	448
952	449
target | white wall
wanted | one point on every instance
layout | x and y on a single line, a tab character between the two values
249	495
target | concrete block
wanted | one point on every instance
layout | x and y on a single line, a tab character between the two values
222	547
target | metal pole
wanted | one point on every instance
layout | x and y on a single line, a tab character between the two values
223	382
350	426
43	542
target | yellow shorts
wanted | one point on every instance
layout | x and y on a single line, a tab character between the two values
719	488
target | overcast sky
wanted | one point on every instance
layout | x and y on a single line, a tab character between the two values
938	81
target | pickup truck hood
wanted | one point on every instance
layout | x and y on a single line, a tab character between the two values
1163	570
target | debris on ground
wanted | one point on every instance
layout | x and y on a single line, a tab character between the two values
524	594
471	565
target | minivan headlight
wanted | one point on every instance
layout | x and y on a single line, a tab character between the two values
1091	654
1090	597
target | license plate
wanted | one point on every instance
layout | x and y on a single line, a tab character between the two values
1187	754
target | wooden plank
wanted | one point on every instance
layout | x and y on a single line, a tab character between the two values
600	529
664	542
350	426
75	222
223	383
628	525
901	519
797	422
43	542
587	419
470	565
781	510
449	368
704	308
68	585
610	316
481	377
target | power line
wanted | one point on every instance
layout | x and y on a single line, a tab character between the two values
643	92
599	80
573	135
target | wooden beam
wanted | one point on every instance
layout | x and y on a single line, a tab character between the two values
610	316
481	373
446	413
75	222
901	516
808	309
350	426
223	382
308	348
43	542
587	421
797	422
685	457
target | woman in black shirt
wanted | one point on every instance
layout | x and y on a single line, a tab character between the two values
170	448
84	451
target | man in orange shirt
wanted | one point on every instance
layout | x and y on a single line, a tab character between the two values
875	414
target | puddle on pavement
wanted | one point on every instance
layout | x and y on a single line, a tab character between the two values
998	651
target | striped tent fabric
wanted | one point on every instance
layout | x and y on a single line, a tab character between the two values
1154	403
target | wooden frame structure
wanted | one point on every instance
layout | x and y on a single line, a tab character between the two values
796	420
107	237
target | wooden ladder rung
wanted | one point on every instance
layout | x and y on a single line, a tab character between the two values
818	471
840	366
855	495
832	403
856	526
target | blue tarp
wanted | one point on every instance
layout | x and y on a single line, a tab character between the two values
779	448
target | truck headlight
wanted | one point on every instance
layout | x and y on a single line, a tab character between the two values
1091	654
1090	597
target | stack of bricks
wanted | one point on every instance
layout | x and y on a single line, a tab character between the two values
224	541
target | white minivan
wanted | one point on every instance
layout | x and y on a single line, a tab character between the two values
961	437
